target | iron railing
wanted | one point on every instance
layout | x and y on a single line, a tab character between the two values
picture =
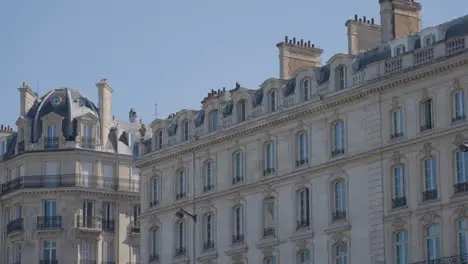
458	259
108	225
91	222
88	143
49	222
69	180
51	143
48	261
15	225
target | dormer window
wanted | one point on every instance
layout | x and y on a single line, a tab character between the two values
429	40
305	90
51	139
340	77
213	125
2	146
87	141
185	131
241	111
273	100
400	49
159	140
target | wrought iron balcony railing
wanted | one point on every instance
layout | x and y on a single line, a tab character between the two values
88	142
91	222
51	142
398	202
458	259
396	135
460	187
69	180
303	223
237	238
269	232
429	195
209	244
48	261
87	261
153	258
180	251
49	222
15	225
108	225
337	152
339	215
268	171
301	162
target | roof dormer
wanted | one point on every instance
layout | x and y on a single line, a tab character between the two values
399	46
429	36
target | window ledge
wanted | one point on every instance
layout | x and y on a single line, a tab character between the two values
237	248
208	254
302	234
338	226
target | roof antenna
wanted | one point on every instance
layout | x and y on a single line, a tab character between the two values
37	88
156	110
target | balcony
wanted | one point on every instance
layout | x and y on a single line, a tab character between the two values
396	135
459	259
135	227
302	162
337	152
68	180
88	222
269	232
427	126
208	187
237	179
461	187
15	225
51	143
303	223
108	225
458	118
339	215
429	195
268	171
238	238
398	202
48	262
88	143
180	252
49	222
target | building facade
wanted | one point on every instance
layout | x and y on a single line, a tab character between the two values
354	161
69	193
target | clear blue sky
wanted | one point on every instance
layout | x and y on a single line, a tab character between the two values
169	52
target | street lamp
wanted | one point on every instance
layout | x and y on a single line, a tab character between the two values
180	214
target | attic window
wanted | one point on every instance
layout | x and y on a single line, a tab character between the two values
80	101
429	39
56	101
400	49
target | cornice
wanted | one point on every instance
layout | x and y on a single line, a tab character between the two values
116	195
368	89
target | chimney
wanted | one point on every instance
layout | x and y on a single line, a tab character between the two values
105	109
399	18
132	115
27	98
362	34
294	55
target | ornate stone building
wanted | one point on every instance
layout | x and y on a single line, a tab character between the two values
69	193
353	161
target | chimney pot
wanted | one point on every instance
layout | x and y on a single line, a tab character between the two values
294	41
313	45
355	17
308	43
372	21
8	128
360	20
113	117
302	42
364	18
286	39
1	127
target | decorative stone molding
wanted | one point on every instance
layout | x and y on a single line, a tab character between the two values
269	191
399	223
237	199
397	158
430	218
302	244
424	94
456	83
460	212
300	125
426	152
337	237
459	139
336	115
268	252
395	103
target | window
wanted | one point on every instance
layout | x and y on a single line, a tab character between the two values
108	216
430	179
2	146
160	140
213	125
238	229
208	231
303	209
401	247
186	131
433	242
180	238
429	40
399	184
463	237
85	251
87	131
340	202
400	50
87	171
50	251
154	244
302	148
51	169
273	100
269	260
459	106
269	159
16	254
154	191
50	214
397	124
303	257
241	111
108	177
305	90
108	252
51	138
269	217
338	139
208	180
180	184
340	77
238	167
426	115
21	171
341	253
462	172
87	220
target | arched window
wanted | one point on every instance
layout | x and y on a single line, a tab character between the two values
463	237
399	185
302	148
181	184
303	257
270	163
433	242
305	90
154	244
155	191
341	253
340	201
186	130
159	139
208	176
208	231
238	228
238	167
273	100
269	260
459	106
430	179
338	139
401	247
241	111
269	223
180	238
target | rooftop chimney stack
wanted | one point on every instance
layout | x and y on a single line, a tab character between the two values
105	109
399	18
132	115
27	98
295	54
363	34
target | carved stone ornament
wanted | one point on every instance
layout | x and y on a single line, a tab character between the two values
424	94
336	114
180	162
397	157
236	144
236	198
237	258
301	244
427	149
208	152
429	218
267	252
268	192
456	83
267	135
399	223
142	131
395	102
460	212
459	139
300	125
337	237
